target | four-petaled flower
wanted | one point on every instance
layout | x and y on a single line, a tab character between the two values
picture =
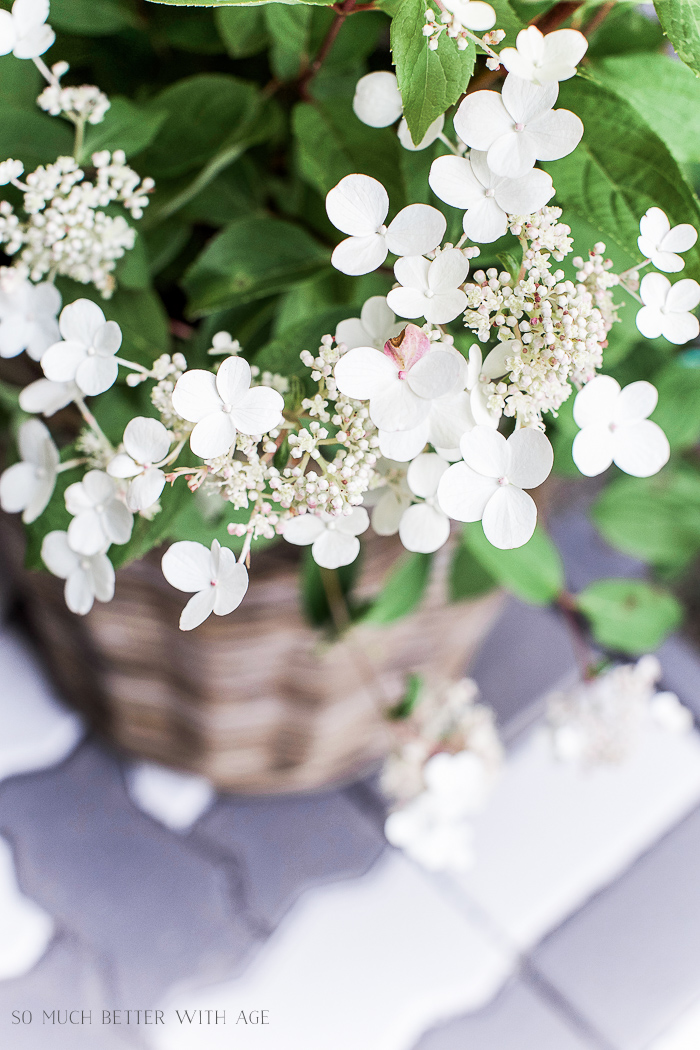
373	327
24	31
87	576
399	382
517	127
424	527
100	517
146	442
224	403
86	354
27	316
667	307
615	429
218	580
489	484
430	289
27	486
377	100
489	199
659	243
543	59
333	540
358	205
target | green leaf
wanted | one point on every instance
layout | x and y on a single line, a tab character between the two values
468	577
410	700
242	29
533	572
625	29
680	20
678	410
630	616
91	18
403	590
507	20
238	3
314	591
620	169
20	83
33	137
149	534
126	126
429	81
249	259
281	354
291	30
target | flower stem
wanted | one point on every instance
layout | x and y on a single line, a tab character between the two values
45	71
342	12
451	147
70	464
79	139
90	420
132	365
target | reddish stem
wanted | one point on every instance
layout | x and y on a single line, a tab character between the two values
342	12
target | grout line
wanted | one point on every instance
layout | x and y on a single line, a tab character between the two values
562	1006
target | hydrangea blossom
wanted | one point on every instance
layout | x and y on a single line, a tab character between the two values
219	581
430	289
27	486
543	59
489	485
222	404
84	104
488	199
659	243
24	31
27	315
358	205
47	397
100	517
333	540
86	355
87	576
424	527
667	307
375	325
517	127
615	429
146	442
377	100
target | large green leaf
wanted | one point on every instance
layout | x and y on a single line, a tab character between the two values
249	259
91	18
620	169
242	29
126	126
468	577
33	137
680	20
678	410
403	590
533	572
629	616
429	81
318	585
238	3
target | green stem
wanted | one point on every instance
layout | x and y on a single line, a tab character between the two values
79	139
209	172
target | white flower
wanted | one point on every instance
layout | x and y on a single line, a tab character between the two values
27	316
615	429
358	205
377	100
489	484
667	307
100	518
472	14
334	539
223	343
399	382
542	59
146	441
224	403
373	327
517	127
433	841
47	397
391	502
27	486
218	580
658	242
424	527
86	354
87	576
24	32
489	199
430	289
459	783
9	170
433	133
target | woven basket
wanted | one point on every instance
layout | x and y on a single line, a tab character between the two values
257	701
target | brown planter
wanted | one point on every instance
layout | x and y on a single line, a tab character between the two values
257	701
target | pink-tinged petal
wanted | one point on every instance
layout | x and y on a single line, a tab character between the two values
358	205
424	529
416	229
592	450
78	593
409	347
333	549
636	402
486	451
57	556
96	374
433	132
509	518
108	339
198	609
117	522
303	529
680	239
377	100
233	380
146	440
363	372
463	494
683	295
61	361
641	449
526	101
424	474
513	154
40	498
35	42
86	534
450	417
485	222
396	407
232	584
359	255
377	318
653	290
213	435
408	302
680	328
403	445
531	457
145	489
46	397
386	515
666	261
525	195
195	395
123	466
453	180
80	320
596	402
187	565
445	306
412	272
102	574
354	523
14	335
481	119
32	440
259	411
650	321
352	333
554	135
8	35
448	271
434	375
18	484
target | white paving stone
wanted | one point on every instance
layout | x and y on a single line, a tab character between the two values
36	730
552	834
366	964
175	799
25	929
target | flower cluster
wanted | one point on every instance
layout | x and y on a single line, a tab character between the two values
84	104
458	19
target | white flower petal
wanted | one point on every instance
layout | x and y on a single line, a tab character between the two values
485	222
78	592
95	374
80	320
8	35
61	361
481	118
359	255
363	372
597	401
666	261
454	182
531	457
117	522
526	101
86	534
654	289
424	474
213	435
416	230
525	195
433	132
386	515
636	402
198	609
445	306
103	580
448	271
450	417
40	497
403	445
555	134
513	155
259	411
509	518
34	42
232	583
352	332
378	319
303	529
424	529
412	272
377	100
650	321
680	328
433	375
187	565
396	407
18	485
46	397
333	549
57	556
654	225
32	440
146	440
14	335
233	380
463	494
683	295
486	451
28	14
195	395
145	489
123	466
680	239
641	449
408	302
358	205
107	339
354	523
592	449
